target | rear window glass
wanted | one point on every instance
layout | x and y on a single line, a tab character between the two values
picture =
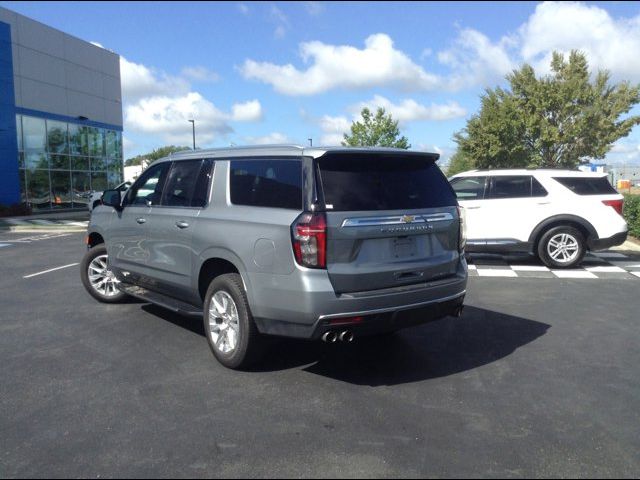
267	183
378	182
469	188
515	186
587	186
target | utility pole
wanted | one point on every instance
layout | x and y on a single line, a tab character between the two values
193	125
310	142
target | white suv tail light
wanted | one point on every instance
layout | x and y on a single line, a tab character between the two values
615	204
462	237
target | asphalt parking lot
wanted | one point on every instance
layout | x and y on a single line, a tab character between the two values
539	378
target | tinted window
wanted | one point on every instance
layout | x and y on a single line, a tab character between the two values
510	187
201	193
587	186
267	183
537	190
148	188
469	188
352	182
181	183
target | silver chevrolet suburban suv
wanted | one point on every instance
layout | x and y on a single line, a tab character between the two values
313	243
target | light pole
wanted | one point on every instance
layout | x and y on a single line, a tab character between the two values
193	126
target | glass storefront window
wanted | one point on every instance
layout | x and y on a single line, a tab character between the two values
60	189
75	139
57	137
79	163
111	143
36	160
98	164
99	181
23	186
38	191
33	133
80	188
19	132
59	162
20	159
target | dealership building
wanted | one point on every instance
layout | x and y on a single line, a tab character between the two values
60	116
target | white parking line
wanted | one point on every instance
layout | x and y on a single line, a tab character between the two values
637	274
5	245
573	274
51	270
486	272
612	269
529	268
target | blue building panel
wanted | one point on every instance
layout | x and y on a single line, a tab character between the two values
9	179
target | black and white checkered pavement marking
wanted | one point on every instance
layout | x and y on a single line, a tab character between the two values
600	265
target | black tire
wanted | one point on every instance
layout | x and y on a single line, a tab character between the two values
567	258
249	342
91	255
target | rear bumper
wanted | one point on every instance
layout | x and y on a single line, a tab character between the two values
604	243
306	307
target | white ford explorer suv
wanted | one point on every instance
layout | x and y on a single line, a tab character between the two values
555	214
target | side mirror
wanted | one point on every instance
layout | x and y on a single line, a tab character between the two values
111	198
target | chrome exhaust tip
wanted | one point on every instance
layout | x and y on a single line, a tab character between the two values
330	337
346	336
458	312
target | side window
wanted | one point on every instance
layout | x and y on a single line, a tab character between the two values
537	190
181	183
469	188
148	188
201	193
510	187
267	183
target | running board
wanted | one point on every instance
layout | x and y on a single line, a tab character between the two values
161	300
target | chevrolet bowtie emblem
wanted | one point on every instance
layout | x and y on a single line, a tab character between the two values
408	218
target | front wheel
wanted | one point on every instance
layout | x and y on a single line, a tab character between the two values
98	278
561	247
231	332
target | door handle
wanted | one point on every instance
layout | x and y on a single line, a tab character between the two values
544	203
141	220
182	224
472	208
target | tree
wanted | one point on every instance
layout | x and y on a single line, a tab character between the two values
556	121
375	131
460	162
154	155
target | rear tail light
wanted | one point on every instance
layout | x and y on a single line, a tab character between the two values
462	236
309	239
615	204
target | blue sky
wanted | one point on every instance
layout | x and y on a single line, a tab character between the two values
256	72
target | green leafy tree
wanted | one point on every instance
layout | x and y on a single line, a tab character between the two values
379	130
156	154
556	121
460	162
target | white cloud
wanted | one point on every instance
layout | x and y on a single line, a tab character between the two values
475	60
270	139
342	66
250	111
169	117
333	129
609	43
243	8
200	74
140	81
409	110
314	8
128	146
280	19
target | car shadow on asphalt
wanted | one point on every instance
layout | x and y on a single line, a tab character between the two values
437	349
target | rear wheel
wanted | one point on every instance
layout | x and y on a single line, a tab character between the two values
561	247
231	332
98	278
